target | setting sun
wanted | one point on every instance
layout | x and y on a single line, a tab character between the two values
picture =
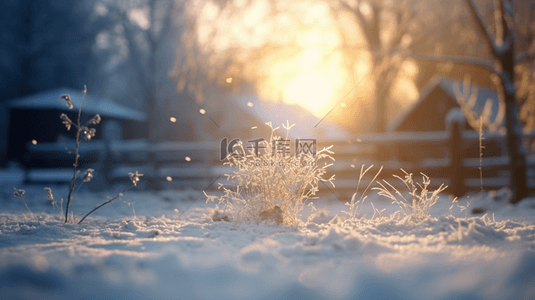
312	91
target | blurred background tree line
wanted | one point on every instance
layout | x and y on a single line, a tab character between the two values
171	58
375	54
122	50
355	63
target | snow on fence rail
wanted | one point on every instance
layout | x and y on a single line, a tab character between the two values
450	157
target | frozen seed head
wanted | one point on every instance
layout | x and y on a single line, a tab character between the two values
49	195
66	121
134	177
88	132
18	193
88	175
67	98
94	120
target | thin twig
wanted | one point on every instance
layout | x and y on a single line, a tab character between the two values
107	201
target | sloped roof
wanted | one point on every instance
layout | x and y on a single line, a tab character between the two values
91	105
306	124
447	85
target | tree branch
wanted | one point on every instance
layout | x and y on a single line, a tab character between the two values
502	28
481	25
167	21
454	59
524	58
360	18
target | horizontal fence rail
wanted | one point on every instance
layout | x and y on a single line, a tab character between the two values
448	157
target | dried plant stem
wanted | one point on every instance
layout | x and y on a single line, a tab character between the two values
107	201
481	152
24	201
354	208
76	157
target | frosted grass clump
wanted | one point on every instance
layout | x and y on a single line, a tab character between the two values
356	205
273	185
416	208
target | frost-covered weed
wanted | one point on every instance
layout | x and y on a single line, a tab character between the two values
462	207
271	182
417	206
356	205
55	205
19	193
88	133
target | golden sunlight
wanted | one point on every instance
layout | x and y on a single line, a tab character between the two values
312	91
293	51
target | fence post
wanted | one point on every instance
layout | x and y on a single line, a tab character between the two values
455	124
105	161
153	182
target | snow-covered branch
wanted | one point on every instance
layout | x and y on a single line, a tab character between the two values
454	59
481	25
524	58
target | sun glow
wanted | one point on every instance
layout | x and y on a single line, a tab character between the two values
290	50
297	52
312	91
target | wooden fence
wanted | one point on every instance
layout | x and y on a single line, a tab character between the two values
448	157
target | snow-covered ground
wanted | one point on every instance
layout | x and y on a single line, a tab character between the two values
164	245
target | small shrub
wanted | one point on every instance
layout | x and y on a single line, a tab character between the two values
273	185
417	207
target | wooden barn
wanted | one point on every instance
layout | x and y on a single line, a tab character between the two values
36	119
436	99
428	114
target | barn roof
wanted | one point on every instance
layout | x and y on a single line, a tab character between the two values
92	104
448	86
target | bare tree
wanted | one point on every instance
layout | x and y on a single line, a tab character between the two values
502	48
384	66
147	26
502	65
